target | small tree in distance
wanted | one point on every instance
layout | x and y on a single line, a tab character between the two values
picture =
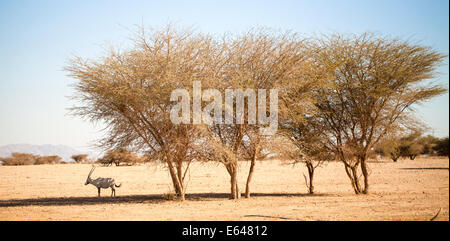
79	158
47	160
429	142
120	155
442	147
19	159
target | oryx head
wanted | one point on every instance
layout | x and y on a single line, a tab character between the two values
88	180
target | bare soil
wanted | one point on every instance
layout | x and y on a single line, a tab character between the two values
407	190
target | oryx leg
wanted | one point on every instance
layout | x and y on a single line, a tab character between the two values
113	191
98	191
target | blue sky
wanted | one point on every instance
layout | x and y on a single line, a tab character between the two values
37	38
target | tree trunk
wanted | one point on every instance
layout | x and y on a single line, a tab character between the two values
180	172
232	170
395	157
310	186
181	195
177	183
233	182
238	193
356	179
353	176
250	174
365	175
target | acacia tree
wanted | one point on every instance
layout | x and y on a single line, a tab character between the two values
301	140
409	145
130	92
389	147
79	158
428	143
301	143
47	160
117	156
18	159
441	147
372	84
29	159
255	147
259	59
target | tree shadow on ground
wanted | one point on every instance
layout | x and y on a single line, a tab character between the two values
152	198
425	168
270	217
380	161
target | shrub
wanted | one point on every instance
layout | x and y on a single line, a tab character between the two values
19	159
118	156
79	158
441	147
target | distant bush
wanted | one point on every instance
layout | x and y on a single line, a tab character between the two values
20	159
412	145
429	142
118	156
441	147
47	160
79	158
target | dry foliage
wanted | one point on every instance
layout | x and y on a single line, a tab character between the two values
339	96
118	156
19	159
130	91
79	158
371	86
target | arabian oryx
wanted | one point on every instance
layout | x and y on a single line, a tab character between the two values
102	183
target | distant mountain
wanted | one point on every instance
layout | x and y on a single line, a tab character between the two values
65	152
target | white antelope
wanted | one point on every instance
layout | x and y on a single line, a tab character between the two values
102	183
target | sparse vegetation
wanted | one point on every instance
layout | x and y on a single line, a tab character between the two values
340	96
441	147
118	156
170	196
80	158
47	160
19	159
412	145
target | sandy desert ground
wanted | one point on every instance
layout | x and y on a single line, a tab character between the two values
407	190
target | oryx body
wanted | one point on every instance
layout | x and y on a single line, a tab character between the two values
102	182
